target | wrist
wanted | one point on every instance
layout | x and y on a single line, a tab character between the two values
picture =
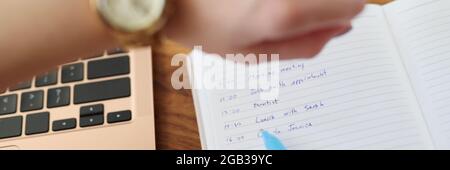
96	23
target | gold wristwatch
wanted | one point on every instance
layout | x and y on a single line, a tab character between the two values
134	22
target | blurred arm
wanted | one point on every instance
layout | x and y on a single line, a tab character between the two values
37	35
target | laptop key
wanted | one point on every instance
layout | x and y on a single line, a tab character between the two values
121	116
72	73
109	67
99	91
21	85
10	127
116	51
66	124
91	115
31	101
37	123
58	97
88	121
8	104
91	110
49	78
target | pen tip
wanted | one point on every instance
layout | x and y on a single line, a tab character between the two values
271	142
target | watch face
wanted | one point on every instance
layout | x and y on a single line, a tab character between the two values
131	15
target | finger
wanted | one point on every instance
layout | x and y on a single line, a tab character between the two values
296	17
299	47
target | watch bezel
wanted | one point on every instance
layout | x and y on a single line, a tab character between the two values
125	21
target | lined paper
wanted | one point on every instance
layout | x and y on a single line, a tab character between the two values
354	95
422	30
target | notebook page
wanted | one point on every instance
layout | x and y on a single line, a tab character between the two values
354	95
422	30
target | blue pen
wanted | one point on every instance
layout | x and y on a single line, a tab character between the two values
271	141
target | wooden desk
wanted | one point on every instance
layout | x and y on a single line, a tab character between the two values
176	125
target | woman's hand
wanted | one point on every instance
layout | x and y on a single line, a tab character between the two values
291	28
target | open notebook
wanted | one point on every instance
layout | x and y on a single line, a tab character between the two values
384	85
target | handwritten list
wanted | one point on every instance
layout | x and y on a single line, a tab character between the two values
354	95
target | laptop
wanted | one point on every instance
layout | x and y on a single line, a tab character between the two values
101	102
